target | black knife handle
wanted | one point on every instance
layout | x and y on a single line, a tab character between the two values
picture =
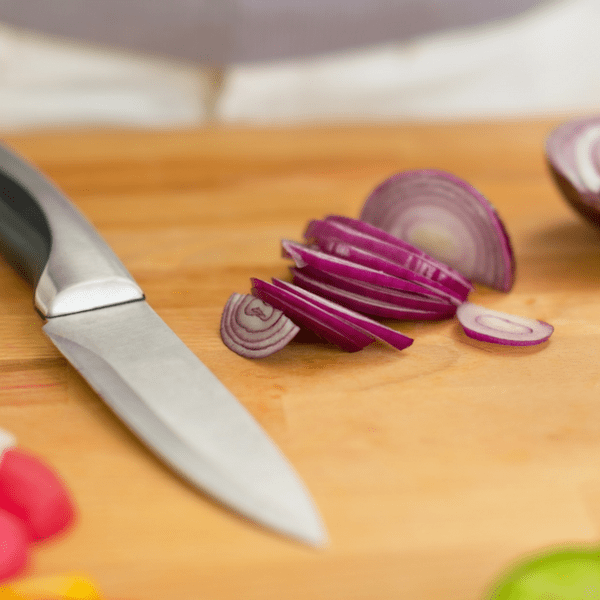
54	247
24	232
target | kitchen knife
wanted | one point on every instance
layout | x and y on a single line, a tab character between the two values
97	317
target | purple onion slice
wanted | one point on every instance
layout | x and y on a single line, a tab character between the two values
305	256
449	220
378	263
361	322
254	329
367	305
311	316
497	327
573	154
368	238
377	292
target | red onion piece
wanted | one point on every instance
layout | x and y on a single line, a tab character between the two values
449	220
304	256
497	327
377	292
372	261
313	317
368	238
253	328
361	322
573	154
367	305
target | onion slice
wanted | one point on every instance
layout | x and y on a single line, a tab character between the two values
573	154
331	233
365	304
253	328
305	256
376	292
312	317
497	327
361	322
449	220
358	329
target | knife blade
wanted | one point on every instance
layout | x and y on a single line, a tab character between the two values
98	318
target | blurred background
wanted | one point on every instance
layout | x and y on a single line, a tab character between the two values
168	63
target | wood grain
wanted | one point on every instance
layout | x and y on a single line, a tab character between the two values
434	468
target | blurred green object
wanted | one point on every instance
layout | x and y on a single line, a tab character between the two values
572	574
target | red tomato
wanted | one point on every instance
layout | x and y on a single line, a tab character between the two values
33	492
13	545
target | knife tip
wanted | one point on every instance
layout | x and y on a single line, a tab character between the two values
307	528
317	538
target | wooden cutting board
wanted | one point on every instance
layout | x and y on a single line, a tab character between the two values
434	468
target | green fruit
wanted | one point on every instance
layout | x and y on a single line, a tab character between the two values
564	575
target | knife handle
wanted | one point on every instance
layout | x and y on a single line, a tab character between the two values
54	247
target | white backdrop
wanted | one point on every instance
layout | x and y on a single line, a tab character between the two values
545	62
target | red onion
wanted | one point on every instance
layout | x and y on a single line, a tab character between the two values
349	268
488	325
377	292
407	259
253	328
305	256
307	314
573	153
356	325
364	300
448	219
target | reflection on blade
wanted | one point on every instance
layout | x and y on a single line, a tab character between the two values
175	404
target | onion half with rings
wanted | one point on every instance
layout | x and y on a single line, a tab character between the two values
448	219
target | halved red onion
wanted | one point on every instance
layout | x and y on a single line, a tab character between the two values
365	305
371	239
253	328
497	327
313	317
449	220
303	256
361	322
573	154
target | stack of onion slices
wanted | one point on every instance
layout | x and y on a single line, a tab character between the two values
348	273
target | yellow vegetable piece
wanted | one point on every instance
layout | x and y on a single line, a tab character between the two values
55	587
8	594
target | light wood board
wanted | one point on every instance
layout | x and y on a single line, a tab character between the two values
434	468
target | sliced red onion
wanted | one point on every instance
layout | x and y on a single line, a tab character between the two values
361	322
369	238
303	256
365	305
313	317
449	220
377	292
378	263
365	258
497	327
253	328
573	153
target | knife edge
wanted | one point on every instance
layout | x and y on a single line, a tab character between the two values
210	439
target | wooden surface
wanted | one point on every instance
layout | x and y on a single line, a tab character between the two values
434	468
